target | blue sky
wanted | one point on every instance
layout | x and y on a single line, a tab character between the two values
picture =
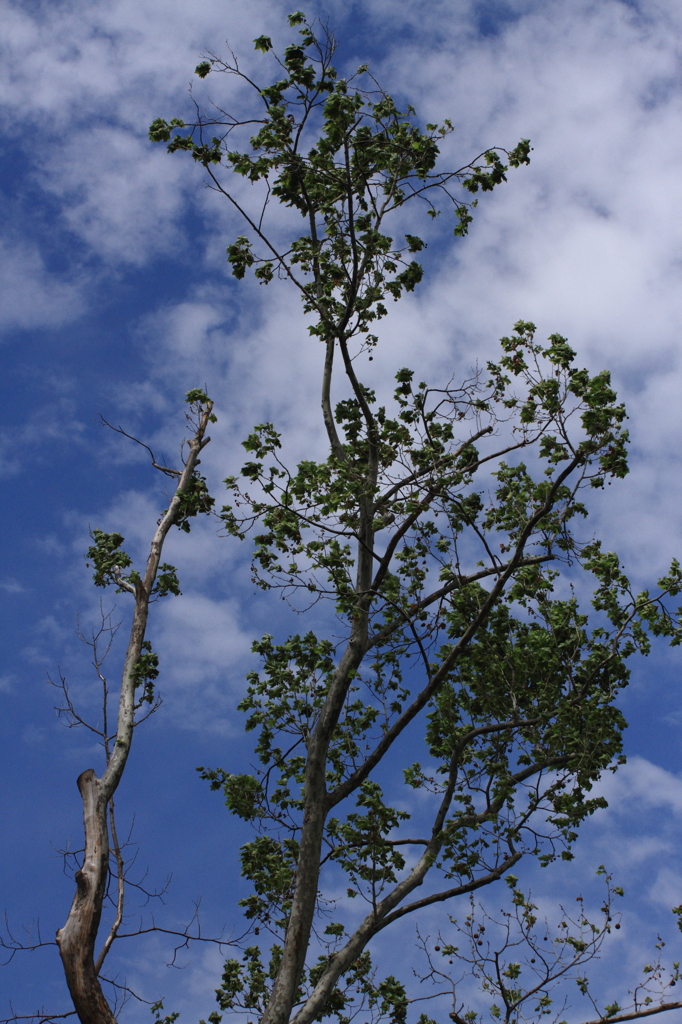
115	298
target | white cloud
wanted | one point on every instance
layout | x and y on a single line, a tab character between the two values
93	77
30	296
11	586
640	787
666	890
205	653
54	421
119	198
116	57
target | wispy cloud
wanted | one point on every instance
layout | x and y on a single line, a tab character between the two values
11	586
31	296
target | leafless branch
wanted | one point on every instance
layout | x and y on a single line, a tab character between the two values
163	469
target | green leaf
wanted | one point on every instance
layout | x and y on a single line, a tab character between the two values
107	558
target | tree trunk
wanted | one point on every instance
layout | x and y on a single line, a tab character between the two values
76	940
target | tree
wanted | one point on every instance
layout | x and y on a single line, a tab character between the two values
435	544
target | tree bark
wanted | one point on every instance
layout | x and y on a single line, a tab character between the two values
76	940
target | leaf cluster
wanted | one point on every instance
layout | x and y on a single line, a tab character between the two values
340	153
246	984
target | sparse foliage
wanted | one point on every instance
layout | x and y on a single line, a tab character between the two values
519	963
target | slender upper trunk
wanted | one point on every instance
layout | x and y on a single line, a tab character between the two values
316	801
327	414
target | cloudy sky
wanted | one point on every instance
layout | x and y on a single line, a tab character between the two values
115	299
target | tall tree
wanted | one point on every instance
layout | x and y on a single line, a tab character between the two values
438	549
